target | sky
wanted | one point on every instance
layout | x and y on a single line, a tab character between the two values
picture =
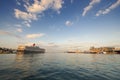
60	25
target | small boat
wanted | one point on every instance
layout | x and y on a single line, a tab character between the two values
73	51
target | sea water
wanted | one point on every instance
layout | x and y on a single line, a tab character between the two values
59	66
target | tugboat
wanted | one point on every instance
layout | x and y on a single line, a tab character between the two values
30	49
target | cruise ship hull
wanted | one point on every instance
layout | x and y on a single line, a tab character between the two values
28	51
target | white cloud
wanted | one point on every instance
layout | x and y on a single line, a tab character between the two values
68	23
99	13
33	36
2	32
40	6
90	6
18	3
26	23
106	11
24	15
26	2
35	10
19	30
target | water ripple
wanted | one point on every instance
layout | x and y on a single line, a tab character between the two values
61	66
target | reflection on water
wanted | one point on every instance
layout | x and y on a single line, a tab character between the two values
59	66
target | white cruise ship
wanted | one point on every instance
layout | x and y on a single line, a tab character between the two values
30	49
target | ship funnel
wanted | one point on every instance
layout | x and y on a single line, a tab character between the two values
34	44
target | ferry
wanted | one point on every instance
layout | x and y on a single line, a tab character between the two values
30	49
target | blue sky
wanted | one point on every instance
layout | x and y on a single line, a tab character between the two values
60	25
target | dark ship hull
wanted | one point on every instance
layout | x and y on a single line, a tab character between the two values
27	51
117	51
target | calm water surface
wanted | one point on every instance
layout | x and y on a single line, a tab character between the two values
59	66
